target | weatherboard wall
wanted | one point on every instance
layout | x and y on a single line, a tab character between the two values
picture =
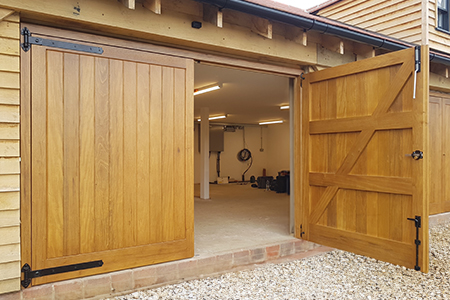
9	151
399	19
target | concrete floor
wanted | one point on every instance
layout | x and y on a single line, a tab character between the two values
239	217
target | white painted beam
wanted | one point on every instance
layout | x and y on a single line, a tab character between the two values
204	153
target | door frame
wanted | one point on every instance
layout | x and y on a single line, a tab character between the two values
214	59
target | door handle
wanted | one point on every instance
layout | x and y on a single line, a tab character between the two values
416	155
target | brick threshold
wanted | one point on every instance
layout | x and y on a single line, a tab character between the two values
153	276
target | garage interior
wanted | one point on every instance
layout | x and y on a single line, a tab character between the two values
237	215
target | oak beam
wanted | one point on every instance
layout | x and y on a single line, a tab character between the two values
261	26
114	19
213	15
439	83
130	4
329	58
153	5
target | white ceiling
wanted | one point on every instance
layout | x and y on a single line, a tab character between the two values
247	97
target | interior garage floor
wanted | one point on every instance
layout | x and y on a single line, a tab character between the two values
239	217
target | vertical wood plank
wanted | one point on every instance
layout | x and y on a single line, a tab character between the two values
130	157
372	198
396	222
421	141
25	149
333	160
39	193
408	231
116	167
189	149
87	157
55	153
71	155
143	154
179	184
436	153
303	115
445	194
326	100
361	165
167	152
155	153
102	148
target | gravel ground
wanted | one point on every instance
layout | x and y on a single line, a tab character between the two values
334	275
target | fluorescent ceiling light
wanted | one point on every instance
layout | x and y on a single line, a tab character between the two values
207	89
284	107
271	122
215	118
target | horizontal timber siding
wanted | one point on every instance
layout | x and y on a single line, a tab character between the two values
438	40
9	151
399	19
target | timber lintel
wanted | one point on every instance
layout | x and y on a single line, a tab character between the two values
439	83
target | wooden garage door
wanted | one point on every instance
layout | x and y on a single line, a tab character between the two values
439	164
111	159
360	186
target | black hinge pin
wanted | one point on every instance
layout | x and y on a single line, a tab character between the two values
28	274
417	223
301	231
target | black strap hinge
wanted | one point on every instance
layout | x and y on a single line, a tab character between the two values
29	40
28	274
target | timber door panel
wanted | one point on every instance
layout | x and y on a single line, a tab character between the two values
111	159
360	122
445	207
439	164
437	161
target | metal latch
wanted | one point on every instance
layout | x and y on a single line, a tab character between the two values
28	274
417	223
29	40
416	155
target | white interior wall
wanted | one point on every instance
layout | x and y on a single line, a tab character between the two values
278	148
274	158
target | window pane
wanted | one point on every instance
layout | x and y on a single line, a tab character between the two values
443	20
443	4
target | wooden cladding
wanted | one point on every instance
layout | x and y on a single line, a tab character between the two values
360	183
111	158
396	18
9	151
